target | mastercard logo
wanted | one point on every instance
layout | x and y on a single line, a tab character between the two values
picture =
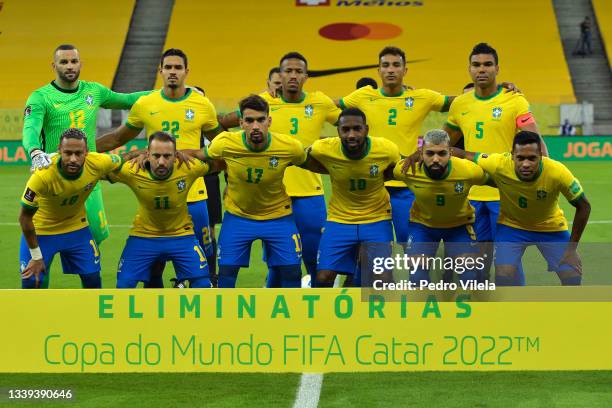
354	31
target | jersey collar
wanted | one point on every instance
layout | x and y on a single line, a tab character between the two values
248	146
380	90
68	176
302	97
182	98
493	95
365	153
56	86
445	175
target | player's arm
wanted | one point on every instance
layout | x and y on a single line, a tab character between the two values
118	100
581	218
313	164
33	118
36	265
229	120
116	138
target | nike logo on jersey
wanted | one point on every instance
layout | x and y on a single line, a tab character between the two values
415	186
274	109
525	120
154	113
464	113
57	105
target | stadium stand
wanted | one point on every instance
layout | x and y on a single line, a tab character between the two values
603	14
30	30
230	57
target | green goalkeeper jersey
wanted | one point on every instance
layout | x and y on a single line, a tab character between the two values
50	110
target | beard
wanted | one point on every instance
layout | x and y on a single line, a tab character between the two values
436	172
65	78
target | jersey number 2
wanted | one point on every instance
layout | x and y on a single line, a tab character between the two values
392	117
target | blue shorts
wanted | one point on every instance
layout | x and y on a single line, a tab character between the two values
78	251
425	240
140	253
510	245
485	223
401	202
340	244
201	227
310	214
280	238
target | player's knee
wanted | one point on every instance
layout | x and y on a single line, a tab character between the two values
126	283
91	280
570	278
325	276
201	282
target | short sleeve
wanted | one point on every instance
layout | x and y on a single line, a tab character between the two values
134	120
332	110
112	162
452	121
200	168
478	177
436	100
211	122
215	149
397	171
522	106
569	185
34	188
489	162
394	154
353	99
299	154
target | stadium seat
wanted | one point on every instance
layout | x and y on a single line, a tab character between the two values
32	29
232	49
603	14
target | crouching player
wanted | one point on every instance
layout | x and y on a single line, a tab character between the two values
529	186
441	210
162	229
53	216
360	208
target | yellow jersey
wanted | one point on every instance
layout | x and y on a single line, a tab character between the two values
185	118
162	203
255	187
443	203
488	126
59	199
531	205
397	118
359	195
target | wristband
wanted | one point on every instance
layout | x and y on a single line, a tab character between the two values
36	254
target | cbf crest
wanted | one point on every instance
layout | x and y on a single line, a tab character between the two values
541	195
497	112
459	187
374	170
189	114
181	184
273	163
409	102
89	100
308	111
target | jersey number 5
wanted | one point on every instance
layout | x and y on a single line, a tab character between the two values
480	130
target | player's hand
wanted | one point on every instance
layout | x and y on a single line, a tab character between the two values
571	258
411	161
510	87
184	157
40	159
139	161
34	268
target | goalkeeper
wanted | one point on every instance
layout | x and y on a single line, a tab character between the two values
66	103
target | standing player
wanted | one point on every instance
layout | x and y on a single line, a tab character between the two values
441	210
302	115
274	83
359	210
257	205
53	214
163	229
488	118
68	102
396	113
186	115
529	186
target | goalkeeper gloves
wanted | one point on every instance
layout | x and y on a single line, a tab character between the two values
40	159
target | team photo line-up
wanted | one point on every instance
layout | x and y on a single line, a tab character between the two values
483	184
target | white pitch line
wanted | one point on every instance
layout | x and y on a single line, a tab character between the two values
309	391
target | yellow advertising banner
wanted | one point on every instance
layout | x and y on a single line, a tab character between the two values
265	330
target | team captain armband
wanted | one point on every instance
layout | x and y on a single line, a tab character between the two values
525	119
